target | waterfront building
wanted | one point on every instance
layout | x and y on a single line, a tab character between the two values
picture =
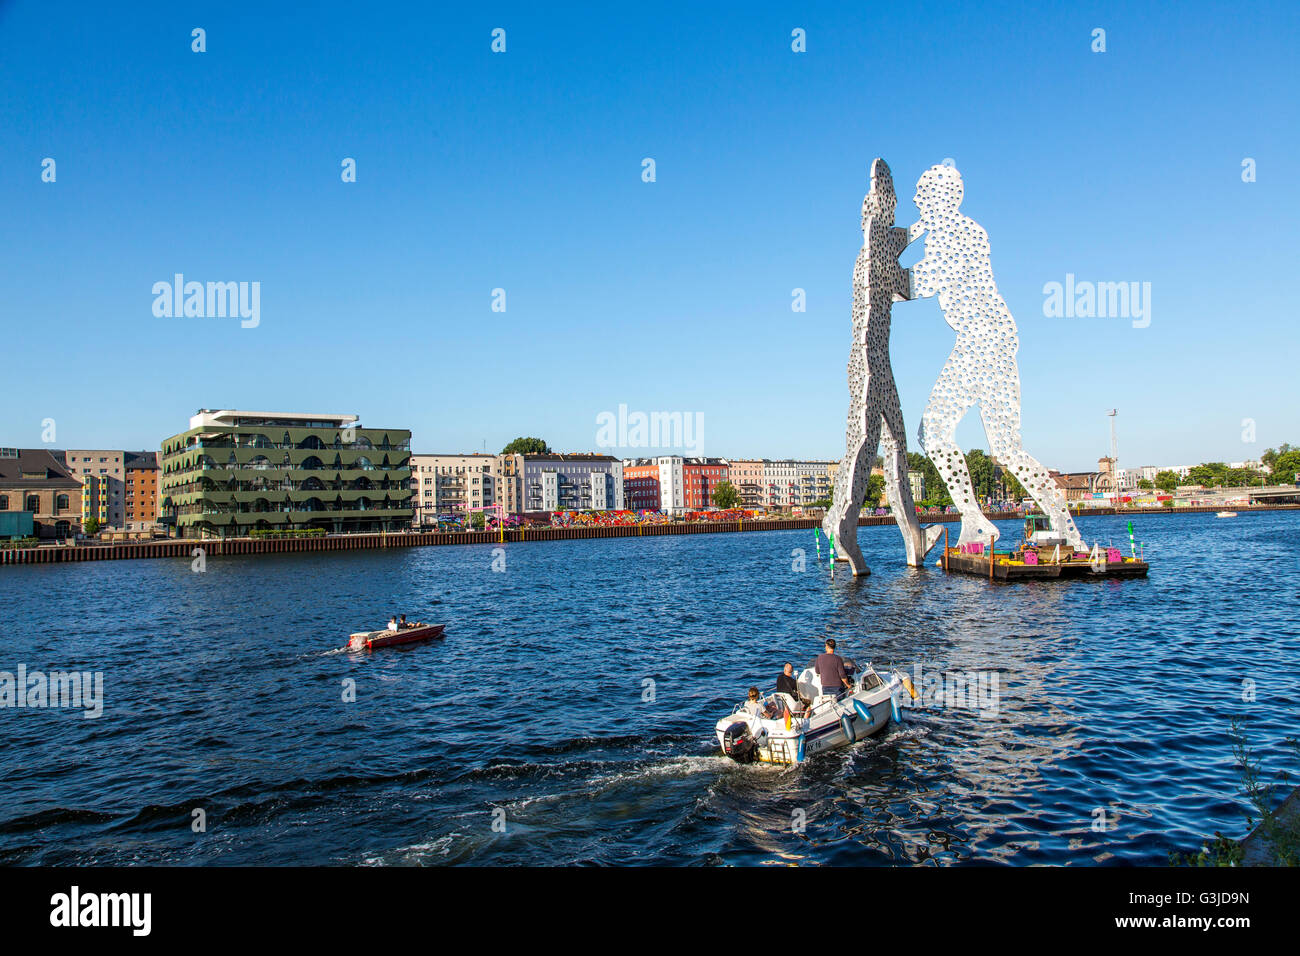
236	471
118	487
780	484
37	486
451	485
1131	478
788	483
687	484
554	482
747	475
641	484
140	499
814	481
102	473
700	477
916	484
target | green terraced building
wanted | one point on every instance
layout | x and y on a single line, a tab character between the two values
235	471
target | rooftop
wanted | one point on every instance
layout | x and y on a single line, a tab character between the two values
34	468
233	416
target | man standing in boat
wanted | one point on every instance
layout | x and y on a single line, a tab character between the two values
832	673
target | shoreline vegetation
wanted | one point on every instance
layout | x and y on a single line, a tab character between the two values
1274	820
278	544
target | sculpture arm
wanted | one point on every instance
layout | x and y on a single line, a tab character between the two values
905	289
914	231
922	283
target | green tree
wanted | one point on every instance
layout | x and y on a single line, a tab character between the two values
1271	455
1285	466
1167	481
981	471
875	488
527	446
1145	484
725	495
1210	474
90	526
1015	490
476	520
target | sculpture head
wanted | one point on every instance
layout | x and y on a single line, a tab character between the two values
881	201
938	193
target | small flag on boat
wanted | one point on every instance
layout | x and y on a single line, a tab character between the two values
787	716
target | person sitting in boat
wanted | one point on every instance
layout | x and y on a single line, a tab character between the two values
787	683
401	623
832	673
392	623
757	707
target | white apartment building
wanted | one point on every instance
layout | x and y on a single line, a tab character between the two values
672	484
451	485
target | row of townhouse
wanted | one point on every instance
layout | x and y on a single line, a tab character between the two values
450	485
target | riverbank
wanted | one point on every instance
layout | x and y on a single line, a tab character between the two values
184	547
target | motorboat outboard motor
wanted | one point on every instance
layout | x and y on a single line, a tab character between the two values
738	743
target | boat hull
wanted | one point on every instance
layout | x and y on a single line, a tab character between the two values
370	640
834	724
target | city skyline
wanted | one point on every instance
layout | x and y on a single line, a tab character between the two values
522	171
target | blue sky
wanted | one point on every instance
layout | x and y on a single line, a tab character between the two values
522	171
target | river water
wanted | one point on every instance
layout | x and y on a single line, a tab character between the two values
567	717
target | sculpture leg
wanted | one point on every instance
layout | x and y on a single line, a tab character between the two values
1000	412
850	481
893	438
949	401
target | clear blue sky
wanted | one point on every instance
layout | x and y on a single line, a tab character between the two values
523	171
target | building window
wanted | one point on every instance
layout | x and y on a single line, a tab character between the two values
33	503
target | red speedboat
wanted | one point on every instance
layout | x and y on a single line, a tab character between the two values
369	640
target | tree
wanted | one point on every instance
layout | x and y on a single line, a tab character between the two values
1145	484
1271	455
980	467
1210	474
1015	490
725	495
90	526
875	488
476	520
1285	466
1167	481
527	446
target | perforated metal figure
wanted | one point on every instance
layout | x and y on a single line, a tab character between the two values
874	413
982	367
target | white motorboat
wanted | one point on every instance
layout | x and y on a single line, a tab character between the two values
1226	514
780	729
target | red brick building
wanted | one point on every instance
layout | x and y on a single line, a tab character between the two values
699	477
641	485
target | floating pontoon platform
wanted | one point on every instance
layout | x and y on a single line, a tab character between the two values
1007	566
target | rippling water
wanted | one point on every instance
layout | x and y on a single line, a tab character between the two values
224	691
